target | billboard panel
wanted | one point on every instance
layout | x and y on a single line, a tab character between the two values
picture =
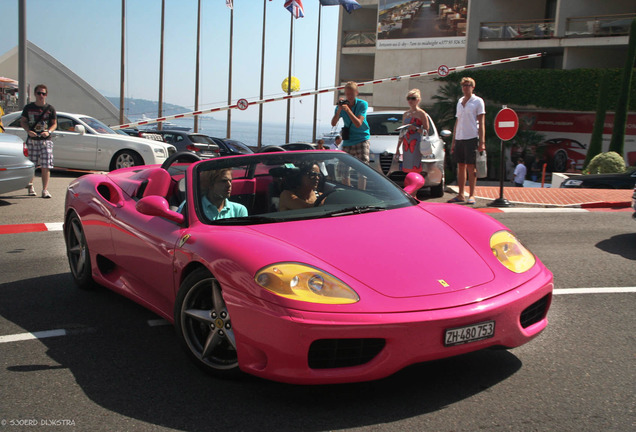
417	24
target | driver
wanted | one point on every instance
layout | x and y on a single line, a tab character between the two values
216	187
300	188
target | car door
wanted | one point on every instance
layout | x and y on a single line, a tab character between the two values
72	149
144	249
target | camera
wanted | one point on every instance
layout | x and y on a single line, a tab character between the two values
343	102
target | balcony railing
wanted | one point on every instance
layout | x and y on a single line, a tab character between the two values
359	39
602	25
516	30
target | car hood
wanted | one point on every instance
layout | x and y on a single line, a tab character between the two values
398	253
382	143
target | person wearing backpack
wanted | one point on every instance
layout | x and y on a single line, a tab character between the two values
39	120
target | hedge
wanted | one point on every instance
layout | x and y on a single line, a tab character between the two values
570	90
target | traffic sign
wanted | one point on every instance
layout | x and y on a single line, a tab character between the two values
443	70
242	104
506	124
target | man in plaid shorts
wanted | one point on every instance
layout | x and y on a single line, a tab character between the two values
355	134
39	120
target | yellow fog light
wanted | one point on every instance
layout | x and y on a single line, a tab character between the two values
305	283
510	252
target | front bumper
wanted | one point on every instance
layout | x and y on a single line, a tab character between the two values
278	341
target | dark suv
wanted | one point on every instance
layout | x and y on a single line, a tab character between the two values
201	144
230	147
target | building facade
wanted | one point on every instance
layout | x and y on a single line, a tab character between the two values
389	38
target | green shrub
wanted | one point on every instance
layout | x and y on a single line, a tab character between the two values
606	163
570	90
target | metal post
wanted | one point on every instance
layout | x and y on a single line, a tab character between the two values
289	74
260	106
229	84
196	74
163	21
123	67
313	139
501	201
23	92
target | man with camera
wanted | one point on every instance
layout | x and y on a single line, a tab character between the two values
39	120
355	133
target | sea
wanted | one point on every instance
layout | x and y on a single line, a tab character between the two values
247	132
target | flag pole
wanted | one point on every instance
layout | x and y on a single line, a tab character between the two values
196	74
317	70
160	104
229	84
123	56
260	107
289	74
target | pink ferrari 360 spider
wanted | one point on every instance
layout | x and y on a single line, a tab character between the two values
303	267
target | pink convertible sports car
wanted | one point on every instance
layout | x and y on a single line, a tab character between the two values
304	267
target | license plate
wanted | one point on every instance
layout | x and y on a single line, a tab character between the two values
471	333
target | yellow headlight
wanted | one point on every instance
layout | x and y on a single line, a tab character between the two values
510	252
305	283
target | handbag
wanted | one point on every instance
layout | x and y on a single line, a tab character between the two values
344	133
426	147
481	164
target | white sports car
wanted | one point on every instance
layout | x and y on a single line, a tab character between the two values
83	142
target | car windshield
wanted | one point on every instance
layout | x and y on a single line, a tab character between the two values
384	124
201	139
237	146
280	187
97	125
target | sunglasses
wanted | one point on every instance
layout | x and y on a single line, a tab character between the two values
41	93
411	98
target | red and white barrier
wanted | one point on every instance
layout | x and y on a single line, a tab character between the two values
329	89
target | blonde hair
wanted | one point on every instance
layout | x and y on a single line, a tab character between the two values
467	80
352	85
414	92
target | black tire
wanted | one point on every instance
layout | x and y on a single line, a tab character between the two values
202	323
560	161
79	258
437	191
125	159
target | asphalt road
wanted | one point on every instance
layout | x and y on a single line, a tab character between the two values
112	371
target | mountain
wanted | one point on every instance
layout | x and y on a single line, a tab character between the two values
137	107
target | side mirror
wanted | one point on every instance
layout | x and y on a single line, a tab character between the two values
412	183
80	129
155	205
445	133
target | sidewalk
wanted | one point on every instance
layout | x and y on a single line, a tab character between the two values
584	198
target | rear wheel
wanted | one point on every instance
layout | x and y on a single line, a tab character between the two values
79	258
203	325
560	161
126	159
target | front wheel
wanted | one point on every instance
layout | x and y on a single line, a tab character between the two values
126	159
79	258
203	325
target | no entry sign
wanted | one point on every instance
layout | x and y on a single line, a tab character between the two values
443	70
506	124
242	104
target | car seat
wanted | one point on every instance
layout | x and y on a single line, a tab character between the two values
157	183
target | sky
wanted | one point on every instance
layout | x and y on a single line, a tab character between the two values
85	36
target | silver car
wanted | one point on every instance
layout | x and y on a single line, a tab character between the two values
384	138
16	170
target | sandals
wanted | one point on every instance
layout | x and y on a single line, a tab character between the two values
471	201
457	199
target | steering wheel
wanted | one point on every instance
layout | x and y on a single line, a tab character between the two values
322	197
182	156
271	149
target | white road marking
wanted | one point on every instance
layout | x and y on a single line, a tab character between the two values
54	226
158	322
598	290
506	124
35	335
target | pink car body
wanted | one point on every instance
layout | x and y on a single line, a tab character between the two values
418	270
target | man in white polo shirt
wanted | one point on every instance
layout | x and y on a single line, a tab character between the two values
468	137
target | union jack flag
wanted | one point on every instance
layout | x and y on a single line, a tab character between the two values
295	7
